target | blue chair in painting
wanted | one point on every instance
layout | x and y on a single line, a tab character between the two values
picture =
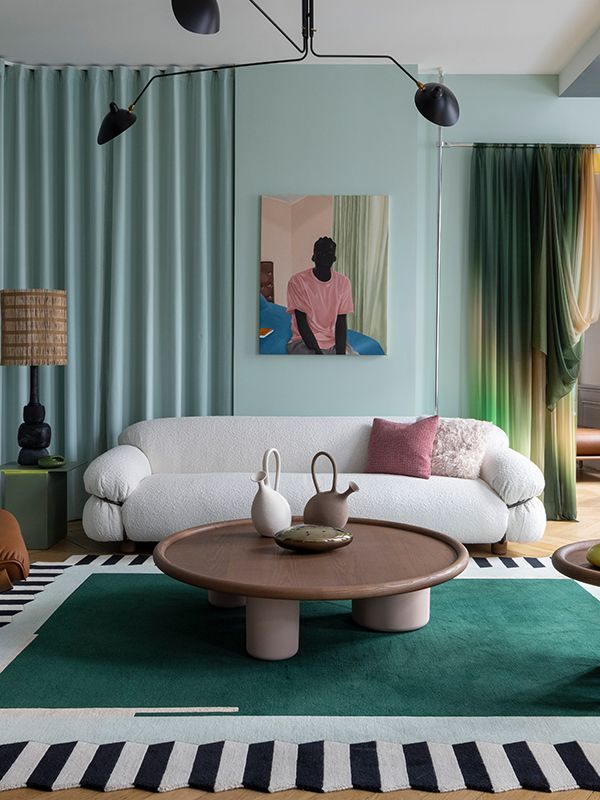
277	318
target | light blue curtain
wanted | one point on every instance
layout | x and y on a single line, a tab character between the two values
139	233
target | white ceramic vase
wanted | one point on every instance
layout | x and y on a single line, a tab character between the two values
270	510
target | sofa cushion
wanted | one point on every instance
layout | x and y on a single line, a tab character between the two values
526	522
512	475
103	520
114	475
402	448
459	447
468	510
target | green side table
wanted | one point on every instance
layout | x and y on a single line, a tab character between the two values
38	499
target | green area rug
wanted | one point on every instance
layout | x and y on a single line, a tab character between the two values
493	648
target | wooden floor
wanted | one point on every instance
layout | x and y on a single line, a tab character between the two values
558	533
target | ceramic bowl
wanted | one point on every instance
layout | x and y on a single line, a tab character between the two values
312	538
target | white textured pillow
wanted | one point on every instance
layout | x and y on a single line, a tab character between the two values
459	447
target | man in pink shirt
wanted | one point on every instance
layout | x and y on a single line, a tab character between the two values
319	300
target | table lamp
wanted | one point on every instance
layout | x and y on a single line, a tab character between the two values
34	334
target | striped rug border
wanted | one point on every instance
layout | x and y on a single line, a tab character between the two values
320	766
43	573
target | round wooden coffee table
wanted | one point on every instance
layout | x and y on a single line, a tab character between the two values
387	572
570	560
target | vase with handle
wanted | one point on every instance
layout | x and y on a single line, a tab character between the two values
270	510
328	508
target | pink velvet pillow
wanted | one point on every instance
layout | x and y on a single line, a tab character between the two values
402	448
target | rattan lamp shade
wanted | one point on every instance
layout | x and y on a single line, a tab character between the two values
34	327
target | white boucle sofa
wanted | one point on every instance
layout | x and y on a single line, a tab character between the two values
170	474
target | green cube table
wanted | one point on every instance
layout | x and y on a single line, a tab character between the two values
38	499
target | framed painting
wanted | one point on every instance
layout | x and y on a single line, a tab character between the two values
323	275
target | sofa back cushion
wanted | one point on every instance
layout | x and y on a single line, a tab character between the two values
398	448
460	446
237	444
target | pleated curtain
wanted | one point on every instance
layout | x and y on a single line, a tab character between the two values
139	233
360	229
535	267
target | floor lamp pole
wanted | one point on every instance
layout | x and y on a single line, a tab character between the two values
438	265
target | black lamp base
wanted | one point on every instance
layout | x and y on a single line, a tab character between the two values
29	458
34	434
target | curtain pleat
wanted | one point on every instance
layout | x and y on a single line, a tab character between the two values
139	233
536	272
360	229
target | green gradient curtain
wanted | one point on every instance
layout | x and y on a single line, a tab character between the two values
536	278
139	233
360	229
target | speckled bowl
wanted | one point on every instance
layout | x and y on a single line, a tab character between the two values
312	538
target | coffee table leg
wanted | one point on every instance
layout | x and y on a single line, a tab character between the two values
398	612
272	628
224	600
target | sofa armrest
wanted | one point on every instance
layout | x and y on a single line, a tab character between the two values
117	473
512	475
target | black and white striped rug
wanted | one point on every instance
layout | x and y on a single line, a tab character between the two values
314	766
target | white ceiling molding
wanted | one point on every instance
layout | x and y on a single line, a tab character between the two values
466	36
581	76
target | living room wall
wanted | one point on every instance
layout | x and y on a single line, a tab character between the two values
322	130
353	129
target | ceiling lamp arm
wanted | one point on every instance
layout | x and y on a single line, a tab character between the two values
435	101
119	120
217	68
312	31
419	84
306	33
280	29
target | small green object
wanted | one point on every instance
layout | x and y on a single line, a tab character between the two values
593	555
51	462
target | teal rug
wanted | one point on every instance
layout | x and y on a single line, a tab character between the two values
492	648
113	675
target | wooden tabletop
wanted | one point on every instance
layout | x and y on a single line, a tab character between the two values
385	558
570	560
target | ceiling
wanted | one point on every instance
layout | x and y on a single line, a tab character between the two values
462	36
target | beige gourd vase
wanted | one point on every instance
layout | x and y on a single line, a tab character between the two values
328	508
270	510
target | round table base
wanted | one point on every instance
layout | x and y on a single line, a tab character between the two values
224	600
272	628
398	612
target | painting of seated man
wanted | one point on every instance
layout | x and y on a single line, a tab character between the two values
323	275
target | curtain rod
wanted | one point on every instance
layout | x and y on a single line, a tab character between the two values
525	144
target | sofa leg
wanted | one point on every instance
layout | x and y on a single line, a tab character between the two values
128	547
5	581
500	548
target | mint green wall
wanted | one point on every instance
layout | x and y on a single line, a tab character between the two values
353	129
317	129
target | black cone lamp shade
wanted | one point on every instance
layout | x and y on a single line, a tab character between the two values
437	104
114	123
197	16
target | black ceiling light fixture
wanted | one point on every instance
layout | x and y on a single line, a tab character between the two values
197	16
433	100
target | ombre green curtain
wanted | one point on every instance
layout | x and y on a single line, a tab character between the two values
536	278
360	229
139	233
